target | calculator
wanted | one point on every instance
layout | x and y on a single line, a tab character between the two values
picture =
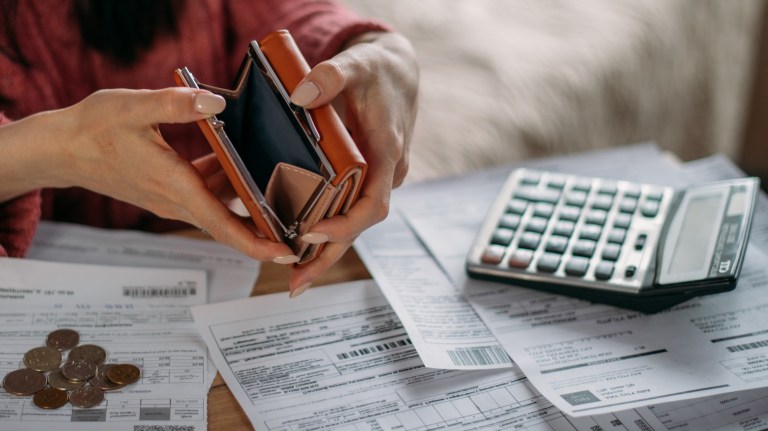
639	246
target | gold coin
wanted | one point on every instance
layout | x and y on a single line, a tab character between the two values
62	339
89	352
24	382
78	370
87	396
42	359
50	398
58	381
101	381
124	374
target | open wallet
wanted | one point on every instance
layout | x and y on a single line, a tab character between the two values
291	166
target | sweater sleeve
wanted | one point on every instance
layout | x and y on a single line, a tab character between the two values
320	27
18	219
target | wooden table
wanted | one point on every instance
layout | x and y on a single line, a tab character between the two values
224	412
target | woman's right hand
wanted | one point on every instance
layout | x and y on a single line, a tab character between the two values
110	143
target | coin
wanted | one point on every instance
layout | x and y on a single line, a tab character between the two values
24	382
101	381
78	370
124	374
89	352
87	396
42	359
58	381
50	398
62	339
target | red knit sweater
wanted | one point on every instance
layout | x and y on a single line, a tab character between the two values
213	36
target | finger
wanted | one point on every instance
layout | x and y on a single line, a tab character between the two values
207	212
207	165
303	275
326	81
171	105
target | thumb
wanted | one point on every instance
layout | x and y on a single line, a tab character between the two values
323	83
174	105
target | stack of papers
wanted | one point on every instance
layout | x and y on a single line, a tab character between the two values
434	350
139	315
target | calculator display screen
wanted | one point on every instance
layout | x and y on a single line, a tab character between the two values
692	251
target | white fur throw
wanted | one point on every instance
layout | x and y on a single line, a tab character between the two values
505	80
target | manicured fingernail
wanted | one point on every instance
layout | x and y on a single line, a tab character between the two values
314	238
207	103
305	93
286	260
299	290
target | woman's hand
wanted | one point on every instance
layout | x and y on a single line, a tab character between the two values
110	143
373	84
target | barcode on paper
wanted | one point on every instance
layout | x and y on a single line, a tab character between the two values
486	355
748	346
375	349
163	292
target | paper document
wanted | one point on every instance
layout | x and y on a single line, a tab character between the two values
589	358
231	275
338	358
139	316
444	327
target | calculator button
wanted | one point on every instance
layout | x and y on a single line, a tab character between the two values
556	182
622	221
530	179
628	205
537	195
502	236
570	213
520	259
604	270
517	206
563	228
654	195
590	231
602	202
640	241
583	247
607	189
611	252
576	198
493	254
548	262
577	266
537	224
617	235
556	244
630	271
582	185
632	192
649	208
509	221
596	217
529	240
542	209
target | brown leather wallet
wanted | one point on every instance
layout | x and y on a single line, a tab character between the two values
290	166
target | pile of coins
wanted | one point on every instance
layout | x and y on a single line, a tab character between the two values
80	379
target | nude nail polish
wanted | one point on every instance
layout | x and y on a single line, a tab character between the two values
207	103
286	260
299	290
305	93
314	238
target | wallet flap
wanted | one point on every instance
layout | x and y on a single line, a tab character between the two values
291	67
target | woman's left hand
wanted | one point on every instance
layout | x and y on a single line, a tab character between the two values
373	85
